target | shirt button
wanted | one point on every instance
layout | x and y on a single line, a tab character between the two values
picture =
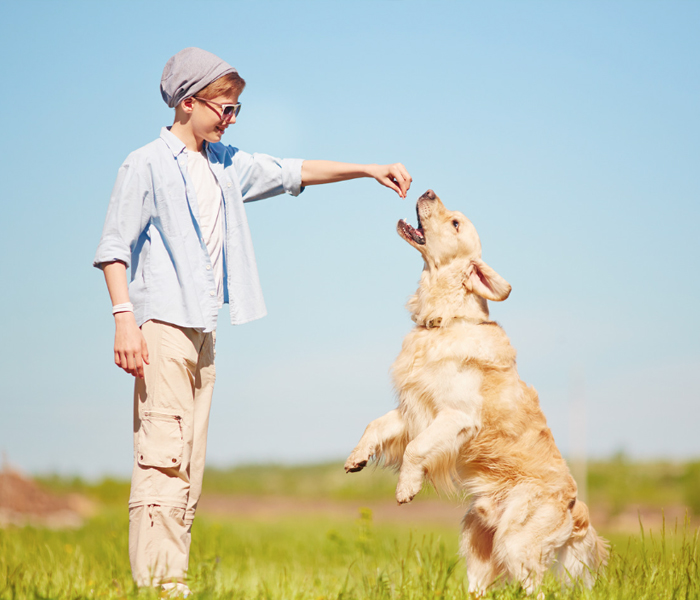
208	267
228	184
212	293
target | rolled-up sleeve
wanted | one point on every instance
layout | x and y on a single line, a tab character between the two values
127	213
263	176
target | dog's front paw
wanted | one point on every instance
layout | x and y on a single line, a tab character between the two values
407	488
357	460
352	466
410	483
404	496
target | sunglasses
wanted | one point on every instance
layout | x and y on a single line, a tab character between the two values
228	111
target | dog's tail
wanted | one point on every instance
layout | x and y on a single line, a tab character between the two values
585	552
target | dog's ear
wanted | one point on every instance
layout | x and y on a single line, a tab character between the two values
483	281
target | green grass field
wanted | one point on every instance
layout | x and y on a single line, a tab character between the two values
318	558
315	559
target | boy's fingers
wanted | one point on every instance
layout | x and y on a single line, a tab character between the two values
139	367
124	362
394	177
402	178
401	186
407	177
131	363
390	184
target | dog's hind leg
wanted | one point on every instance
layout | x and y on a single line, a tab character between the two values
477	548
531	530
383	438
434	451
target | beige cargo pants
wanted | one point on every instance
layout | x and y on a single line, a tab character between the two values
171	417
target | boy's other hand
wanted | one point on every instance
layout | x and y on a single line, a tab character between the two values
393	176
130	349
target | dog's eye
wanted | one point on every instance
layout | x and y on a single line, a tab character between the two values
456	224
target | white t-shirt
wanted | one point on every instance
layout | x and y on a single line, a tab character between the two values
211	214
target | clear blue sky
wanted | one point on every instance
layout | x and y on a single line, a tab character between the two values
567	131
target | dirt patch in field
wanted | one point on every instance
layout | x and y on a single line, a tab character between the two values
24	502
439	512
628	519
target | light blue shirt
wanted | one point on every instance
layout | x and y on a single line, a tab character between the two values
152	225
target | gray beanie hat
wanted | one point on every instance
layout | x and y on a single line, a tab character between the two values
190	71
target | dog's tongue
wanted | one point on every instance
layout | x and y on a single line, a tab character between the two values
416	235
416	232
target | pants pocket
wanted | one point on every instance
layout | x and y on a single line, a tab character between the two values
160	442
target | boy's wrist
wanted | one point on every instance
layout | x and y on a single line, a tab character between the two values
124	317
371	170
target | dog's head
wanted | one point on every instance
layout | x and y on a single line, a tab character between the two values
448	240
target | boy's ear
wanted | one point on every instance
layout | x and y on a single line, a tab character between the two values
187	104
482	280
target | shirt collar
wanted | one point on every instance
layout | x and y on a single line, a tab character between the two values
176	145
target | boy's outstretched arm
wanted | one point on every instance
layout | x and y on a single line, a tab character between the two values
130	349
396	177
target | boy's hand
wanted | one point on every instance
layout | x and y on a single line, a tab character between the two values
393	176
130	349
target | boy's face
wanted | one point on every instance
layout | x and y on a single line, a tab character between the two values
205	118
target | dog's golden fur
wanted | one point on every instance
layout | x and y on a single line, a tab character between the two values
466	420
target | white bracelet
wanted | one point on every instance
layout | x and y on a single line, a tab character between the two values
125	307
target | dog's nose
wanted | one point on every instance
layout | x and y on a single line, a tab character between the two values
430	195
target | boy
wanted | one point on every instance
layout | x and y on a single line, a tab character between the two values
176	218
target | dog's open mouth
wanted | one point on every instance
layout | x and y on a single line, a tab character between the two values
410	234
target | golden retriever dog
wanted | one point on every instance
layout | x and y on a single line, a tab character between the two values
465	420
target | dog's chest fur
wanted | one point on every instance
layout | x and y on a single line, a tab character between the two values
451	367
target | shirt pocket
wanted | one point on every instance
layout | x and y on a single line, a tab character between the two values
160	441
